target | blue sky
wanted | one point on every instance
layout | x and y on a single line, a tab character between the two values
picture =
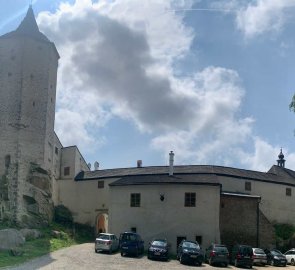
210	80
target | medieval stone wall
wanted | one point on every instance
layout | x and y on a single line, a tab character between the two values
27	107
238	223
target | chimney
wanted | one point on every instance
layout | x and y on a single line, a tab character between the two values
139	163
171	160
96	166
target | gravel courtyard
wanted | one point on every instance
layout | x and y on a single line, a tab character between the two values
84	257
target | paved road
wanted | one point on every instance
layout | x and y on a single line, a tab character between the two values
84	257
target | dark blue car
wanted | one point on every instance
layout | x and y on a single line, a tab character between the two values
190	252
131	244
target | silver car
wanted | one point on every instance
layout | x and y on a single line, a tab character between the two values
259	256
290	256
106	242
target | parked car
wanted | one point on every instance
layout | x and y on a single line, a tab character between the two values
259	256
106	242
290	256
275	257
131	243
241	255
158	248
189	252
217	254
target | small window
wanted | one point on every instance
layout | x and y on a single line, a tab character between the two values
288	192
199	239
100	184
248	186
190	199
135	200
56	150
66	170
133	229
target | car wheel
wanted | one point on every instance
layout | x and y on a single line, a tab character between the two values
236	263
225	265
200	263
292	262
210	261
122	254
272	263
110	251
181	259
96	251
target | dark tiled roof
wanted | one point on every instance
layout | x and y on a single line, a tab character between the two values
190	170
198	179
28	27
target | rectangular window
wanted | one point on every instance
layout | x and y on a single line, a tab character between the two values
133	229
248	186
135	200
56	150
288	192
100	184
190	199
66	170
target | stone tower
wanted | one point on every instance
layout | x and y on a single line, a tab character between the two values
28	69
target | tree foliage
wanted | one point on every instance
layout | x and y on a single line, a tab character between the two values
63	215
292	104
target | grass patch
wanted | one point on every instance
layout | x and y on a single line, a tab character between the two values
37	247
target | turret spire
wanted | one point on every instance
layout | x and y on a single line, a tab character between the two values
281	160
29	24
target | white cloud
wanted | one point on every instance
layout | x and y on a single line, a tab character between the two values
262	16
264	155
117	61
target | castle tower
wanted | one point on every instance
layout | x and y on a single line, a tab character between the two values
28	69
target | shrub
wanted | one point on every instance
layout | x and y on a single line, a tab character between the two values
63	215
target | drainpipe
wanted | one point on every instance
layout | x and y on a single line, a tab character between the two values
171	160
257	223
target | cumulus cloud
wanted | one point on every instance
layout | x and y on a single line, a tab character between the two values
263	16
263	156
117	61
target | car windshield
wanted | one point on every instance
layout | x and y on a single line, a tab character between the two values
275	252
221	249
246	250
190	245
129	237
258	251
103	236
159	243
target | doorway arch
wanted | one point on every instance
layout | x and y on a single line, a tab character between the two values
101	223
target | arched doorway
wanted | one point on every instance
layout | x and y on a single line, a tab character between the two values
102	223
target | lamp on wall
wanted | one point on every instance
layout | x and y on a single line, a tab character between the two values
162	197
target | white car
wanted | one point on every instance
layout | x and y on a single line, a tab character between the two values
290	256
106	242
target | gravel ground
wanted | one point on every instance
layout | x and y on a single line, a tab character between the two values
84	257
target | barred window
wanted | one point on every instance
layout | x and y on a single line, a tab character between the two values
66	170
288	192
100	184
248	186
135	200
190	199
